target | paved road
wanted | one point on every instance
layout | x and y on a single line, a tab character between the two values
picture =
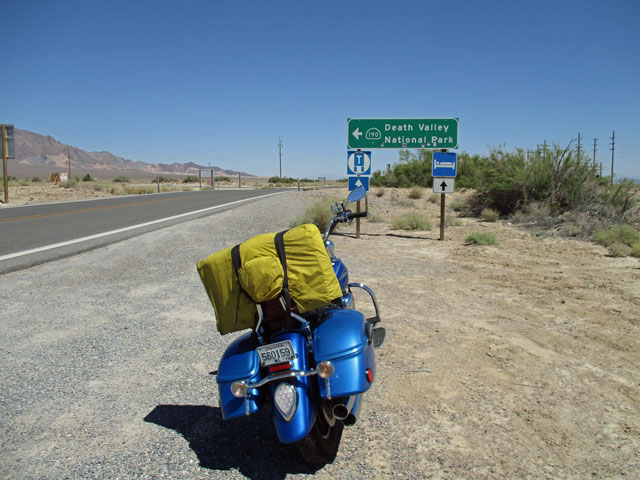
38	233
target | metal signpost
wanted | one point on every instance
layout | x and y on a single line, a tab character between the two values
8	151
443	168
436	133
358	171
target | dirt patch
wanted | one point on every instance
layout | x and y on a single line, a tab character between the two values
509	361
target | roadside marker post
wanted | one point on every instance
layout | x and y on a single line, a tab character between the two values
443	170
358	171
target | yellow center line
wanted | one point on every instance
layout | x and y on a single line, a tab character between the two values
84	210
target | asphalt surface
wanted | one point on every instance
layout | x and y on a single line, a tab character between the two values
35	234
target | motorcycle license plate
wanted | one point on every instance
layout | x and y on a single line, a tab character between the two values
275	353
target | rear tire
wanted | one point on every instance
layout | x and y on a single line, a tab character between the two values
322	443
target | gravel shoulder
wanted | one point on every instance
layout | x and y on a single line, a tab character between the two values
514	361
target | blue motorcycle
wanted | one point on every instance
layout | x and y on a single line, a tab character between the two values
312	368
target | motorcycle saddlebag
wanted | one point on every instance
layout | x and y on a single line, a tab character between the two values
343	338
239	362
259	277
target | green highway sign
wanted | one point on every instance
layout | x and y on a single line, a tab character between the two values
402	133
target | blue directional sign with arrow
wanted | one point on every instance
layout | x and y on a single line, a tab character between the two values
355	182
358	162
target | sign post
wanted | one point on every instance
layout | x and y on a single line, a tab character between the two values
8	151
358	170
443	169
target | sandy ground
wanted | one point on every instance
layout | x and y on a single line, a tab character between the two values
520	360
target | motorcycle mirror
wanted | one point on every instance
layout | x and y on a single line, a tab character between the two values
358	194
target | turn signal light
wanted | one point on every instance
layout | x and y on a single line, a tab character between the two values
239	389
326	369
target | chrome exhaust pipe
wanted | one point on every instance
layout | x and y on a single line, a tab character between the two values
355	411
341	410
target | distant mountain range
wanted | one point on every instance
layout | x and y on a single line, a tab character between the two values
40	155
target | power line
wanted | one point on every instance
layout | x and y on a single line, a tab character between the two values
280	149
613	148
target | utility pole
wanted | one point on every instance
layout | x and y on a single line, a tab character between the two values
280	149
69	158
595	141
578	147
613	147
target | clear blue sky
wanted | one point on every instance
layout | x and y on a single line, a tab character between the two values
220	82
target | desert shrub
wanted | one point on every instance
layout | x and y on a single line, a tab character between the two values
138	190
415	193
624	234
412	221
87	178
121	179
451	221
635	250
67	184
319	214
164	179
35	179
375	218
222	178
481	238
619	250
191	179
489	215
402	203
434	198
457	206
379	192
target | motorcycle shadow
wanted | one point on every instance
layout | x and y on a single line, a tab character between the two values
248	444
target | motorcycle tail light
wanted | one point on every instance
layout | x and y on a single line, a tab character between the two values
326	369
286	400
281	367
239	389
369	375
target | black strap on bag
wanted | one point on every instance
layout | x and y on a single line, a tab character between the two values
279	241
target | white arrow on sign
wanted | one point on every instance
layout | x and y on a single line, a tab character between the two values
357	133
358	183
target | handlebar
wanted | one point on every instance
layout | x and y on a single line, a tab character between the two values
345	216
358	214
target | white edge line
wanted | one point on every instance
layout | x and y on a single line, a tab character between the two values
125	229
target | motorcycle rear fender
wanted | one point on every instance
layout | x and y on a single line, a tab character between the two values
300	425
239	362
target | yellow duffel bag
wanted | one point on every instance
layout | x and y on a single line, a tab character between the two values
260	275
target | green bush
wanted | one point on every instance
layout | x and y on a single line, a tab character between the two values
35	179
489	215
412	221
624	234
619	250
635	250
87	178
222	178
415	193
319	214
121	179
481	238
191	179
164	179
457	206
